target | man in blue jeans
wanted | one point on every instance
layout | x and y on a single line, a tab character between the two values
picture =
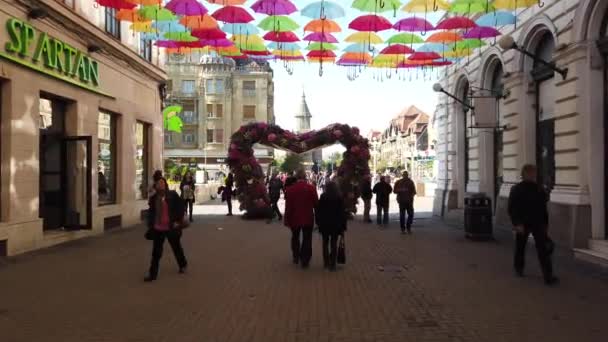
405	190
383	191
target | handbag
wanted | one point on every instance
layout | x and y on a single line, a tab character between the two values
341	251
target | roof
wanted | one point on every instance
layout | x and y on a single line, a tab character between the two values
410	117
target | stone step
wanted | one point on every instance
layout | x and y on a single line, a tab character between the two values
599	246
595	254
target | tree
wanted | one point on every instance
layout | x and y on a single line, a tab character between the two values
381	166
291	163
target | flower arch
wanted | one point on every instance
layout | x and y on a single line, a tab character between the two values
249	176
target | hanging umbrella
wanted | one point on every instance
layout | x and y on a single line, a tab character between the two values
370	23
284	46
364	37
456	23
320	37
274	7
451	53
157	13
320	25
232	14
287	53
154	35
323	10
171	120
180	36
515	4
209	34
321	46
471	6
444	37
199	22
357	56
425	6
482	32
169	26
468	44
405	38
117	4
218	43
356	48
413	24
186	7
424	56
131	15
145	2
494	19
227	2
142	26
167	44
241	39
278	23
376	6
244	29
257	53
432	47
281	37
321	54
397	49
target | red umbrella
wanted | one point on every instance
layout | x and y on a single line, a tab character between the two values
233	15
370	23
320	37
397	49
281	37
257	53
118	4
209	34
321	54
413	25
456	23
422	56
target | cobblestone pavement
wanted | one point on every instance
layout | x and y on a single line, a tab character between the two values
431	286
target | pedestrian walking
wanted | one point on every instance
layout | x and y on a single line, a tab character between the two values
300	202
527	208
156	176
383	191
275	186
227	192
187	188
165	219
331	219
366	196
290	180
405	190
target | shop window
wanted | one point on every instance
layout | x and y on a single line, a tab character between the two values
112	24
249	112
209	136
219	110
249	88
106	158
188	86
141	160
145	48
188	138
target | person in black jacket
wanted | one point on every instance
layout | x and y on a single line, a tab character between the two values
383	191
330	216
164	219
187	189
528	211
228	191
366	196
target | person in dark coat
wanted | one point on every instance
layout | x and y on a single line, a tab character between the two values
275	186
227	192
366	196
290	180
331	219
527	208
383	191
405	190
187	189
164	219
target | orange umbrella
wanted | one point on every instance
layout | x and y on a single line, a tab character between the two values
444	37
183	50
199	22
320	25
131	15
145	2
227	2
358	56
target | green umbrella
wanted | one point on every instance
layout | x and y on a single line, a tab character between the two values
278	23
250	46
468	44
376	6
321	46
171	120
471	6
405	38
180	36
157	13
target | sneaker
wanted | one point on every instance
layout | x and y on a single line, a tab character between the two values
553	281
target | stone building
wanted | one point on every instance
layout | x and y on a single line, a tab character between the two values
303	119
526	112
81	123
218	96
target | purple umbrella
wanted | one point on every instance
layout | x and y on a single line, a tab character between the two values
482	32
217	42
186	7
274	7
321	37
413	25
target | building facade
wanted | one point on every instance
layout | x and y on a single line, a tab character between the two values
303	121
526	112
80	113
218	96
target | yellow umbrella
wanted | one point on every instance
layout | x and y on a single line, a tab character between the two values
287	53
364	37
514	4
143	27
183	50
450	53
243	39
424	6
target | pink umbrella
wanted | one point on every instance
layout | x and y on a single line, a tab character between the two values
233	15
397	49
482	32
167	44
321	54
274	7
186	7
217	42
209	34
320	37
456	23
422	56
281	37
118	4
413	25
291	58
370	23
257	53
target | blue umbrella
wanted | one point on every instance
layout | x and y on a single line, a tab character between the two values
241	29
323	10
494	19
151	36
357	48
284	46
169	26
432	47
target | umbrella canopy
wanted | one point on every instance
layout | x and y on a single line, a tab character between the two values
287	53
274	7
257	53
157	13
323	10
451	53
320	37
370	23
227	2
320	25
284	46
468	44
364	37
471	6
145	2
186	7
199	22
244	29
425	6
413	25
356	48
321	54
169	26
233	14
167	44
241	39
397	49
514	4
481	32
499	18
117	4
180	36
357	56
218	43
142	26
278	23
432	47
376	6
444	37
321	46
209	34
171	120
456	23
424	56
281	37
131	15
405	38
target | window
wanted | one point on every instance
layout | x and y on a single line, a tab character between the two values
112	24
219	110
141	161
249	112
249	88
209	136
168	138
169	85
69	3
219	86
210	110
106	158
188	86
219	136
145	48
189	116
209	87
188	138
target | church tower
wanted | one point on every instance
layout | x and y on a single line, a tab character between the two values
303	116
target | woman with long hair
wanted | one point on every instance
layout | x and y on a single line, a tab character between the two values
187	189
228	186
331	219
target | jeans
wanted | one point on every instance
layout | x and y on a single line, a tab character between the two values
403	208
540	241
173	237
367	206
330	249
301	251
381	219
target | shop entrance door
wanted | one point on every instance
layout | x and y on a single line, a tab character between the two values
77	182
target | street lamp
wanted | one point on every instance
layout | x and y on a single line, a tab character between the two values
508	43
439	89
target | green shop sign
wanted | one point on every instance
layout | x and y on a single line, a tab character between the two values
37	50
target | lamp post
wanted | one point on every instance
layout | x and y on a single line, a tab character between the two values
439	89
508	43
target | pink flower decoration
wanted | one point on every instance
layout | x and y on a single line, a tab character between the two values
272	137
338	133
355	130
233	146
262	125
355	149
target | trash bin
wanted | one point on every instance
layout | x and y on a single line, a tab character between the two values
478	217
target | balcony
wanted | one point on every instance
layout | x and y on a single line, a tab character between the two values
185	94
